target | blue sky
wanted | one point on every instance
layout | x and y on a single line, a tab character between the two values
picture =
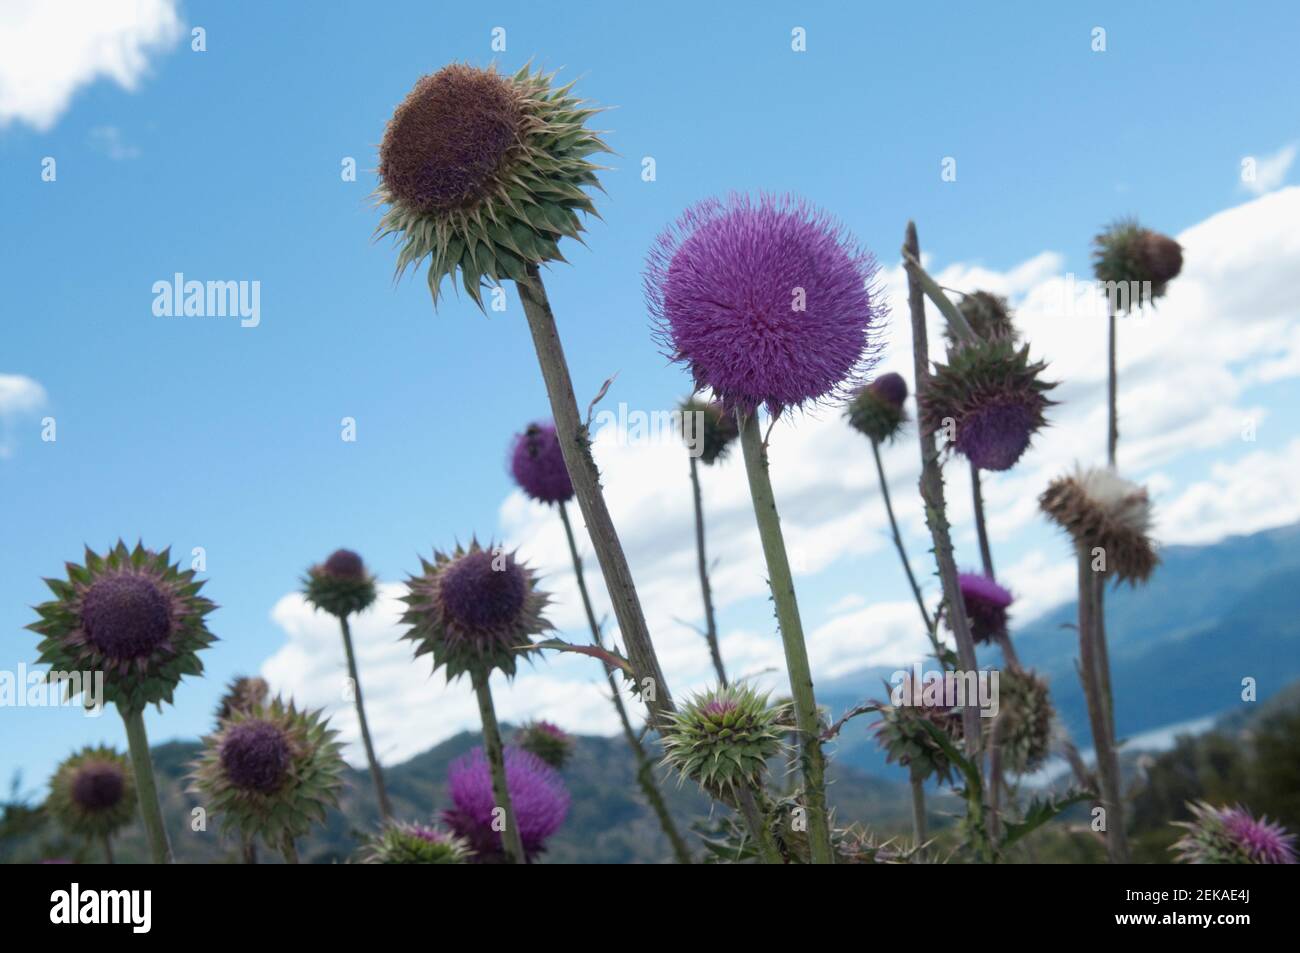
225	164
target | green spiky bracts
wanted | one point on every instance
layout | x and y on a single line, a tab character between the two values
989	317
400	843
485	173
270	771
130	614
341	585
877	410
1232	835
713	431
1024	721
994	398
92	793
547	741
474	610
242	693
1103	511
1126	253
906	741
722	739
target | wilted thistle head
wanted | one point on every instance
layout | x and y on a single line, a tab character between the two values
537	463
92	793
549	742
537	794
986	605
988	401
902	734
485	173
341	585
989	317
1102	510
399	843
1126	253
1024	722
270	771
131	614
1230	835
768	302
474	610
708	428
723	738
876	409
242	693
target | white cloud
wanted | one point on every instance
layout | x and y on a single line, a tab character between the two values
19	397
1270	170
1228	323
50	50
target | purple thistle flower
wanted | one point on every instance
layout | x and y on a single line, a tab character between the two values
768	302
256	756
986	606
538	795
480	598
995	436
538	464
891	388
98	786
345	564
126	616
1265	841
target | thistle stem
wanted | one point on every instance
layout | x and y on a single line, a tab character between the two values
250	850
918	806
1112	418
1089	606
146	787
290	851
981	530
510	839
376	773
931	487
757	825
898	539
107	841
645	769
781	582
710	622
575	445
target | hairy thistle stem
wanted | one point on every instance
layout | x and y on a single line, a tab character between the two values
931	487
898	539
1112	392
575	445
710	622
918	807
981	529
757	825
376	773
146	787
645	769
510	838
781	582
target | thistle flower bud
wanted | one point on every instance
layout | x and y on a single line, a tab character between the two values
341	585
1126	253
876	409
400	843
1025	720
723	738
537	793
131	614
988	400
243	692
768	302
92	793
549	742
713	430
988	316
906	741
1231	835
1105	515
986	605
537	463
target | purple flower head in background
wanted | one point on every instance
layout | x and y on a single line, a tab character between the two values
1264	841
345	564
538	795
986	606
126	615
768	301
256	756
890	388
538	464
98	785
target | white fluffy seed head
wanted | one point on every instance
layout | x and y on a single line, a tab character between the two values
1124	501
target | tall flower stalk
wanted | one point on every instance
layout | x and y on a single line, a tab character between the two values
769	303
341	586
482	175
137	618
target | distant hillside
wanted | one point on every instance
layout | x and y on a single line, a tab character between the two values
1179	646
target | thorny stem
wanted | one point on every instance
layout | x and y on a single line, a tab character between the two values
1112	418
645	769
898	539
710	623
931	486
376	773
510	839
146	787
918	806
757	825
781	582
576	447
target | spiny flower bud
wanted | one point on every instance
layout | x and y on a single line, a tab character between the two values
708	426
341	585
1128	254
988	316
537	463
1024	722
92	793
1230	835
876	409
986	605
1105	515
549	742
400	843
242	693
904	738
723	738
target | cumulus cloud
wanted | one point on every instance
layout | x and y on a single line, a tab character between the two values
48	51
1228	324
